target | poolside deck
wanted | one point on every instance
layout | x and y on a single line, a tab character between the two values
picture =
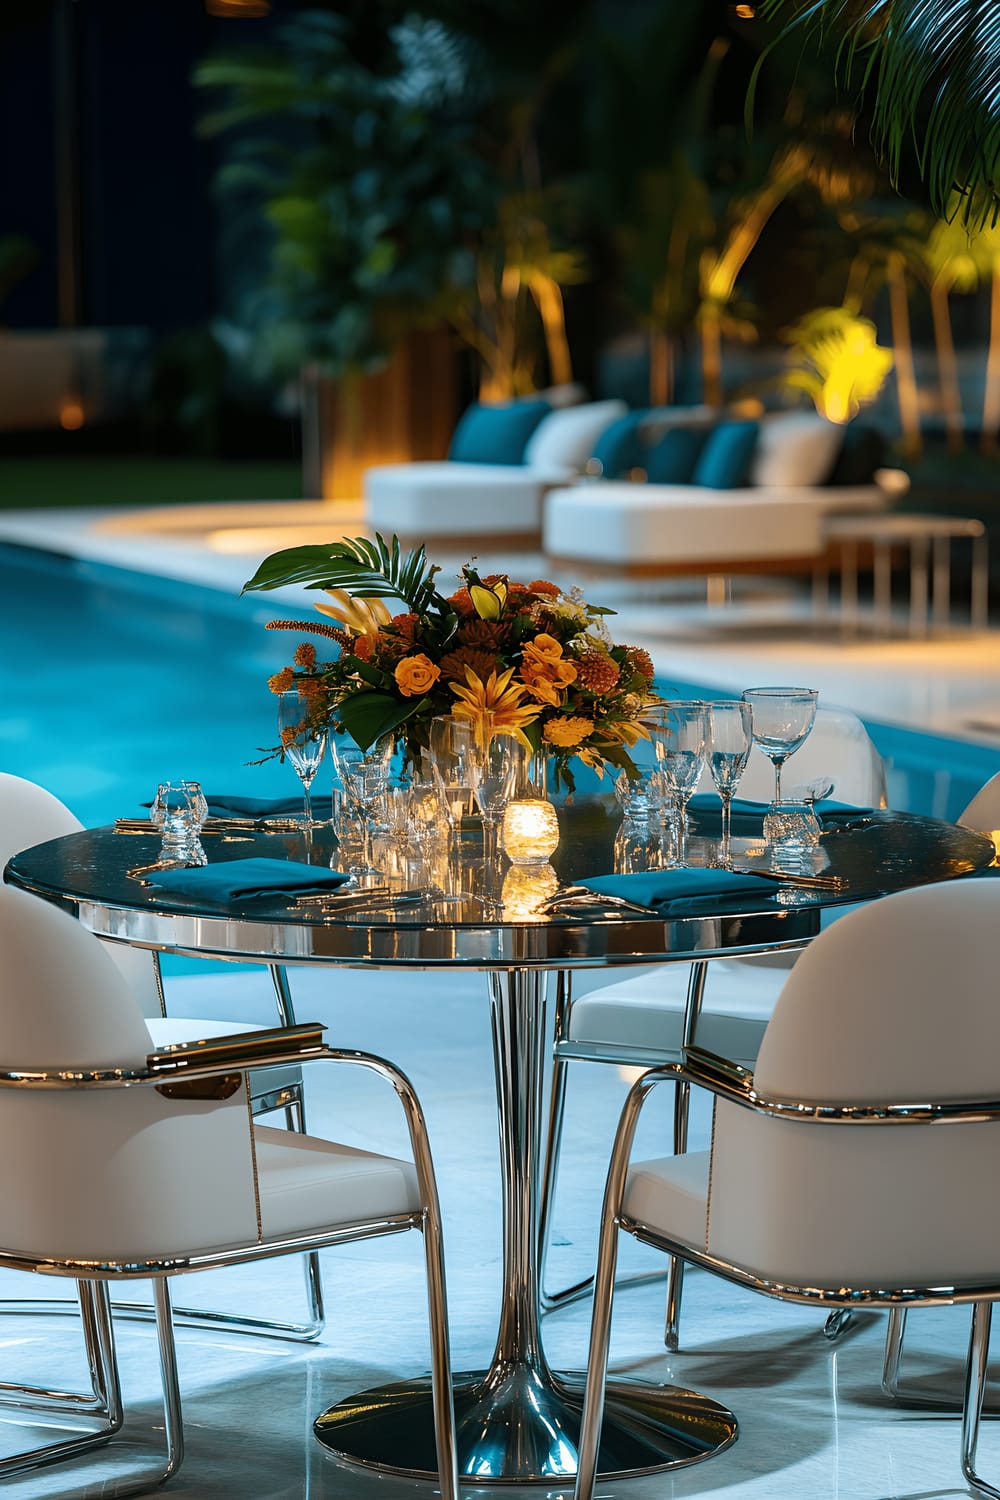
948	684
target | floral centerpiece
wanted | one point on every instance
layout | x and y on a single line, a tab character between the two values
520	659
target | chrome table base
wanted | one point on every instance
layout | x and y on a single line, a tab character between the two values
523	1428
518	1421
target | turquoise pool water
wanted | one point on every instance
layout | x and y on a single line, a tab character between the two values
111	681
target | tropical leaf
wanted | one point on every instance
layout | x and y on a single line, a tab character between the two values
368	716
374	569
931	70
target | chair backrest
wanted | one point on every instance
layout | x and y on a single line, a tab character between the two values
31	815
895	1003
120	1173
839	748
983	812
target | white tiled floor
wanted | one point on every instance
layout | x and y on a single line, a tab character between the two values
813	1424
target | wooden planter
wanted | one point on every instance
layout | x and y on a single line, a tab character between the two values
407	411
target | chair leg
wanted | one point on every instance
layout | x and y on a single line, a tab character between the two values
697	975
445	1437
975	1386
838	1322
105	1399
893	1352
597	1361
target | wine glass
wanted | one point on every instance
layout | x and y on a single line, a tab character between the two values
680	731
730	738
364	775
782	718
303	742
494	784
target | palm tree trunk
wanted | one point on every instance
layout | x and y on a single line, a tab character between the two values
711	357
661	368
551	309
902	343
951	396
991	397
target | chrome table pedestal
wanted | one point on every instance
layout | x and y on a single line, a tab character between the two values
518	1421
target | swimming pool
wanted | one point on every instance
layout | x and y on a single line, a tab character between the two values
111	681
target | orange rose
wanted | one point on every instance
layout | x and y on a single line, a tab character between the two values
544	648
545	679
415	675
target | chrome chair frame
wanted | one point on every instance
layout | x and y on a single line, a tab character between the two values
281	1090
187	1068
730	1082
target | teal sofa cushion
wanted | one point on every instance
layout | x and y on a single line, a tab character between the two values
724	463
620	448
674	458
496	434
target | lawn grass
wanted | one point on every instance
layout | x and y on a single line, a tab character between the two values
41	483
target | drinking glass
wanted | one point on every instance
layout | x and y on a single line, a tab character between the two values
680	730
730	738
178	811
303	742
364	775
494	785
782	718
454	756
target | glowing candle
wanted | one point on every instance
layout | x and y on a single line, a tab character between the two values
530	830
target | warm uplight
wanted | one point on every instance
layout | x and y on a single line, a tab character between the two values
239	9
525	887
745	12
838	361
71	416
530	830
994	834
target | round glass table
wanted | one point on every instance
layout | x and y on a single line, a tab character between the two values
518	1420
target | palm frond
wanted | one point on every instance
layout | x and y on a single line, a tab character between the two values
373	568
931	69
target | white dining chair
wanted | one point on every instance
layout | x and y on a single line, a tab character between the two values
119	1160
29	815
639	1020
878	1076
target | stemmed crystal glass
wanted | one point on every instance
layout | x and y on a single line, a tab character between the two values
680	732
496	768
730	739
303	742
782	718
364	775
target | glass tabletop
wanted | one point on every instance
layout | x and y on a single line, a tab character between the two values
874	854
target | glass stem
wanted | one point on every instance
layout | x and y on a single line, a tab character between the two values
727	806
682	830
307	803
777	778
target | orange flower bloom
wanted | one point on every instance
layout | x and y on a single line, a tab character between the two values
494	707
454	663
305	655
542	586
282	681
567	732
543	648
545	681
415	675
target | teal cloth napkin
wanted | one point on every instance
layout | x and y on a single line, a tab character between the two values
705	810
241	879
678	889
262	807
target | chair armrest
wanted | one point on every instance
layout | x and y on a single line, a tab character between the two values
248	1049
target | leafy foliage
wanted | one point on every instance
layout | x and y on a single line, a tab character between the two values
932	69
373	569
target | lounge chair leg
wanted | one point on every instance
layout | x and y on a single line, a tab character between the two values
975	1386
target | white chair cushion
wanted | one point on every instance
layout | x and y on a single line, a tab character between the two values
437	499
657	523
305	1182
566	438
671	1193
795	448
647	1011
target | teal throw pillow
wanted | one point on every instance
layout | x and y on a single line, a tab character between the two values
862	452
724	463
496	434
673	459
620	448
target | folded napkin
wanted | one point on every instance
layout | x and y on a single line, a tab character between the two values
262	807
705	810
241	879
678	889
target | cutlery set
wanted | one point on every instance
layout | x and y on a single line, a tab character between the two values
217	826
582	896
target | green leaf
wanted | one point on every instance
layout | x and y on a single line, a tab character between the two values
368	716
359	565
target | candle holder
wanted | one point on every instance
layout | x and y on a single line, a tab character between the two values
530	830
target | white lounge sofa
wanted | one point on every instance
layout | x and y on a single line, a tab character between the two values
775	522
473	503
